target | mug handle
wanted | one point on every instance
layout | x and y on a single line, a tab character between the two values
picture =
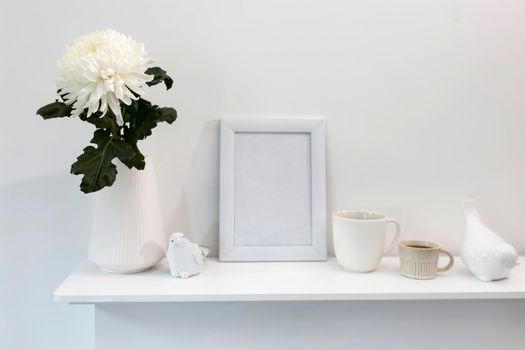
450	261
395	241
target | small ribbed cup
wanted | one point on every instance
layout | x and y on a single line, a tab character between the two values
422	270
127	234
419	259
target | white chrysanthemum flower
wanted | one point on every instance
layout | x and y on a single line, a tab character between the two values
100	70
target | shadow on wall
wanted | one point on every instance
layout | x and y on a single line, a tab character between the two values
198	208
197	211
330	205
44	233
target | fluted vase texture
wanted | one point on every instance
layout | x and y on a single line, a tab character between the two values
127	234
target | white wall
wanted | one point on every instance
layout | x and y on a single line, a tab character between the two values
423	100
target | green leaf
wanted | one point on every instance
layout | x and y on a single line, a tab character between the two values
145	118
96	167
55	110
166	114
107	121
95	164
159	76
142	121
122	150
137	161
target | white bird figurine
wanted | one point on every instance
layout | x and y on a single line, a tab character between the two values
184	257
485	253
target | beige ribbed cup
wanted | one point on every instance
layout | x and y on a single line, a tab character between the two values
419	259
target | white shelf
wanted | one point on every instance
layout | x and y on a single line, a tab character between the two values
281	281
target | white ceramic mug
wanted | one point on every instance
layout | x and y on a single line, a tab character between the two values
359	239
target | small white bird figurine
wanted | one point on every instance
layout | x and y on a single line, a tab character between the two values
485	253
184	257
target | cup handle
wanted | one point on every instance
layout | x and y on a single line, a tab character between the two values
395	241
450	262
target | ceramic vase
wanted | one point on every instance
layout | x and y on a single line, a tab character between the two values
127	234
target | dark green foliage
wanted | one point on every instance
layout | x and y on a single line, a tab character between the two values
167	114
137	161
143	118
159	76
101	122
55	110
112	141
95	163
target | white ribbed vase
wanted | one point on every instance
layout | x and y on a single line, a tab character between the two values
127	234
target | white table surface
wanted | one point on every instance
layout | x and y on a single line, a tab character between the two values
281	281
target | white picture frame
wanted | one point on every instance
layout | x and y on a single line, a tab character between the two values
272	189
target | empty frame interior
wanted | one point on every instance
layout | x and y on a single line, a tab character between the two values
272	191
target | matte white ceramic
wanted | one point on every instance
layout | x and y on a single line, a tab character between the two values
185	258
488	256
359	239
127	234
